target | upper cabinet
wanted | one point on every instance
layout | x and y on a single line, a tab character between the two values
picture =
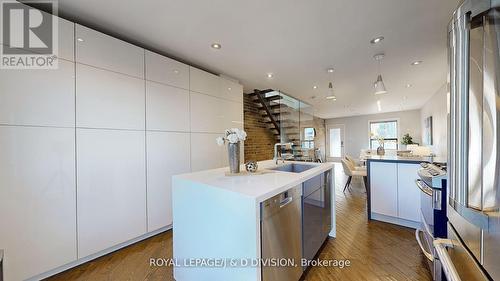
167	71
103	51
204	82
111	100
65	37
231	90
38	98
210	84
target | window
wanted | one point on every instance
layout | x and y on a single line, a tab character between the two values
387	130
309	134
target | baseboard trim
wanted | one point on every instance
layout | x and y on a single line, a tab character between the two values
397	221
98	254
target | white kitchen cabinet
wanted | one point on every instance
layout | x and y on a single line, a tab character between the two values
37	97
167	108
100	50
37	199
65	37
208	114
233	114
168	154
205	153
167	71
384	188
204	82
111	193
106	99
231	90
408	193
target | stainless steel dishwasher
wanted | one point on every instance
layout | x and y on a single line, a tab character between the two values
281	234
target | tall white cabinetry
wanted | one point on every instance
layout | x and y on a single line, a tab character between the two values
87	151
394	196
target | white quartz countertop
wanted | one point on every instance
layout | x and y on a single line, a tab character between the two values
394	158
260	186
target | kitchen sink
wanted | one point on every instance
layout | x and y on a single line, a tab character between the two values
293	168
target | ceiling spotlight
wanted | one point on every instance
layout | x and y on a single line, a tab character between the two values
270	75
216	45
80	39
329	70
315	87
379	84
408	85
417	62
377	40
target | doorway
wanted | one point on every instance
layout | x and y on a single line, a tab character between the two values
335	142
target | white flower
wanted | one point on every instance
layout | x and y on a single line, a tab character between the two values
232	138
242	135
220	141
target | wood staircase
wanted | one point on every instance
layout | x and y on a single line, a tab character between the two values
277	115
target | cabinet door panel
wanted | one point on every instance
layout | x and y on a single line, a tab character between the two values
384	188
231	90
408	193
37	199
111	173
65	37
100	50
205	153
168	155
167	108
106	99
204	82
208	114
232	113
167	71
34	97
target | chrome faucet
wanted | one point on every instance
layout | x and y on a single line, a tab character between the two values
277	153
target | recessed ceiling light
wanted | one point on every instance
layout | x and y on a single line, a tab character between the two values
79	39
229	89
329	70
270	75
408	85
315	87
331	98
377	39
417	62
379	105
216	45
176	71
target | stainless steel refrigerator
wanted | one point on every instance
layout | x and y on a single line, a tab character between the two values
472	250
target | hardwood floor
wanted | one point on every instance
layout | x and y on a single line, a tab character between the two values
376	250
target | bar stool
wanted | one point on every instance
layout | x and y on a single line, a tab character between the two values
350	171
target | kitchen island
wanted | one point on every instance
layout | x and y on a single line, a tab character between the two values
218	219
392	194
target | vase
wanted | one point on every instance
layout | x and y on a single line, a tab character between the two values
380	150
233	150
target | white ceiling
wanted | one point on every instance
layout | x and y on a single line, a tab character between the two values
296	40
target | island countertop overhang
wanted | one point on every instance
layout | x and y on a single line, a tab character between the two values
259	187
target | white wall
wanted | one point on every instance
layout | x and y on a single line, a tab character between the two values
87	151
357	128
437	107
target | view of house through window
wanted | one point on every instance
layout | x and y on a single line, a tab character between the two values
386	129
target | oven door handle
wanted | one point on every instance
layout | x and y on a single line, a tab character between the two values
423	187
449	269
428	255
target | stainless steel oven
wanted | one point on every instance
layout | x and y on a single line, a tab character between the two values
432	186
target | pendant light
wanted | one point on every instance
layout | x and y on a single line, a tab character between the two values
379	84
331	95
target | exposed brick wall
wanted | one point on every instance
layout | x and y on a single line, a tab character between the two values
259	144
